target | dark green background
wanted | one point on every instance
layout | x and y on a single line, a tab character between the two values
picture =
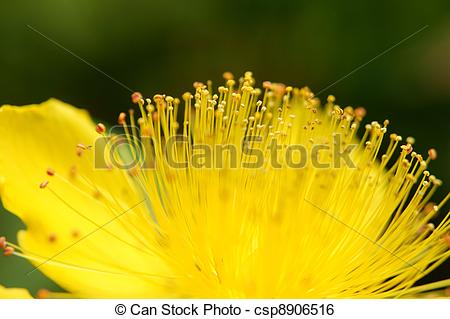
163	46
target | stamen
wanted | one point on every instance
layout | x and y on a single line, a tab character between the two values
228	75
43	184
410	140
8	251
136	97
80	149
50	172
432	153
122	118
43	293
100	128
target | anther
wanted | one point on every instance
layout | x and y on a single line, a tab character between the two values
429	208
267	84
331	99
50	171
360	112
43	184
136	97
228	75
81	146
80	149
121	118
426	228
42	294
8	251
2	242
410	140
100	128
432	153
231	83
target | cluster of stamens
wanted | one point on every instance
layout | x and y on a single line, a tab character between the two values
288	115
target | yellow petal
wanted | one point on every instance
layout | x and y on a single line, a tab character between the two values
97	246
14	293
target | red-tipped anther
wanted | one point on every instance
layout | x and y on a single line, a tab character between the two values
50	171
43	184
121	118
360	112
8	251
432	153
136	97
2	242
228	75
43	294
100	128
267	84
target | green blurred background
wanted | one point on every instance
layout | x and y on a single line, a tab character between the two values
163	46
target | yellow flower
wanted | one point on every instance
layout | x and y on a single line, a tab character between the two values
355	226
